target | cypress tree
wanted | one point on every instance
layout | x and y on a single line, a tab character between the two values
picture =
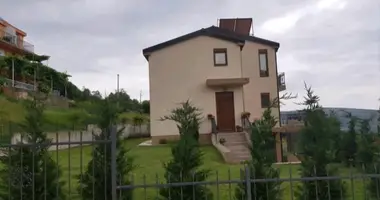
29	172
317	148
368	157
187	157
263	155
187	117
98	172
349	144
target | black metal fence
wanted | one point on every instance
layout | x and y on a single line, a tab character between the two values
74	158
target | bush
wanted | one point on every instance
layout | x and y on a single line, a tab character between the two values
162	141
184	167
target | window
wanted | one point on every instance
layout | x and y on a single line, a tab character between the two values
220	57
263	63
2	53
265	100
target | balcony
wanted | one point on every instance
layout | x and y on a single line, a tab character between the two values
281	82
16	41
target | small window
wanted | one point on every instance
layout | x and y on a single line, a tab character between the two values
220	57
2	53
263	63
265	100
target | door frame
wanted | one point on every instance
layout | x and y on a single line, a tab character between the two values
233	109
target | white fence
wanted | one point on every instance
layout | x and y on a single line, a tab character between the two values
86	135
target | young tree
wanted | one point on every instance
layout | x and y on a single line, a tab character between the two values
318	151
349	144
184	167
187	157
263	156
368	157
187	117
98	173
29	172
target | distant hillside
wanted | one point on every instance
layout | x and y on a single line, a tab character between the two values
341	114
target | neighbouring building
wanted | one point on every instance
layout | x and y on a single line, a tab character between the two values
12	40
341	114
223	70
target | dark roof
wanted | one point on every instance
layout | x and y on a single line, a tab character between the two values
215	32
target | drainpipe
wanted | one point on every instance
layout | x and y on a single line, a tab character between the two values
241	73
278	90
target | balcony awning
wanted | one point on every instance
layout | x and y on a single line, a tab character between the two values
227	82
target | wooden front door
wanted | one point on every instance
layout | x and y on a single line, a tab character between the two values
225	111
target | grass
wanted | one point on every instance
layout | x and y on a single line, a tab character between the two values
128	116
13	112
150	171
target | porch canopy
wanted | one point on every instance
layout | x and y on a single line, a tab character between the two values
227	82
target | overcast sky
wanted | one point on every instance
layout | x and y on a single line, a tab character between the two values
334	45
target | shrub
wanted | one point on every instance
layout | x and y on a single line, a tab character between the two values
31	168
262	157
101	160
184	167
187	118
317	145
162	141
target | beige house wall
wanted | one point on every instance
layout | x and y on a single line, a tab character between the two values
179	72
257	84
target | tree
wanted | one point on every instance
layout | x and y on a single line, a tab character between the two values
145	106
100	177
184	167
317	149
262	158
349	145
368	157
187	117
187	157
31	168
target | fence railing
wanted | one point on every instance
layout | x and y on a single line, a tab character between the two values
223	181
19	85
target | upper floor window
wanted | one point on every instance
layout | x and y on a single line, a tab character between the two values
220	57
263	63
265	100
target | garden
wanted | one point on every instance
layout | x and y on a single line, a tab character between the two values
334	164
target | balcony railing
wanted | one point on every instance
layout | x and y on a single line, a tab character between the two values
16	41
19	85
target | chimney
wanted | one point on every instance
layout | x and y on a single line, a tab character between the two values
239	25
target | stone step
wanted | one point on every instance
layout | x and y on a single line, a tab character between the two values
233	138
237	147
231	134
235	143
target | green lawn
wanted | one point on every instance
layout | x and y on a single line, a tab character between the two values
150	170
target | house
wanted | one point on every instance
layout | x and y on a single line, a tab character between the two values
223	70
12	40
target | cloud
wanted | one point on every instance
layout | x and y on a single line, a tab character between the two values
331	44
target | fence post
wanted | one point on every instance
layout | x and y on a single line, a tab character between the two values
113	162
248	183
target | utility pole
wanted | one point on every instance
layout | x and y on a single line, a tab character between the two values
140	95
118	83
13	72
117	89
